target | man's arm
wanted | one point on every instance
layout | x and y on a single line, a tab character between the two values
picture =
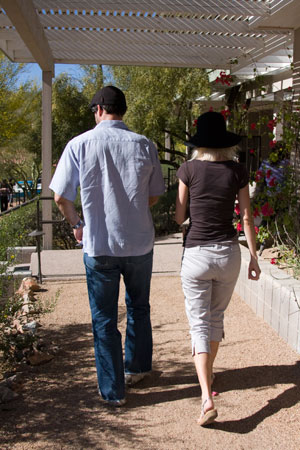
68	210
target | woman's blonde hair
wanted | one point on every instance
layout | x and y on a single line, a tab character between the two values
215	154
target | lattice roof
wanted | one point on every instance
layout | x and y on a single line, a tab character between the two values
223	34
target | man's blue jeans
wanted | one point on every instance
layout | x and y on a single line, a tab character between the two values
103	280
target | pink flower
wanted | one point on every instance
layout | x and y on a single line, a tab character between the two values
273	261
268	173
253	126
239	226
256	212
259	175
272	144
237	209
256	229
267	210
272	182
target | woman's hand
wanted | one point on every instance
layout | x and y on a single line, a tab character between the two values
253	269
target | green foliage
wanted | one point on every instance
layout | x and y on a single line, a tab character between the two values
71	115
11	119
163	213
161	98
15	227
14	230
12	343
63	236
15	342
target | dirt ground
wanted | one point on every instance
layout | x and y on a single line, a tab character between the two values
257	377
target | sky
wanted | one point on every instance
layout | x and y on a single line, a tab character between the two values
33	72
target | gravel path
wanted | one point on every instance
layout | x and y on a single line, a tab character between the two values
257	376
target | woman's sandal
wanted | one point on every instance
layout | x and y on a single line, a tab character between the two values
207	417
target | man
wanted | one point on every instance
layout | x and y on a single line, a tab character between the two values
119	175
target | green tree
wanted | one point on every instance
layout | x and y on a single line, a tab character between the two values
11	118
161	99
71	115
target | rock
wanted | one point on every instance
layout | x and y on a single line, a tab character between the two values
14	382
7	395
28	284
31	326
36	357
18	326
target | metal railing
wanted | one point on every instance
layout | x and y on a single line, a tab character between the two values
38	233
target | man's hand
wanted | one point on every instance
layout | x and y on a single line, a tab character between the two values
68	210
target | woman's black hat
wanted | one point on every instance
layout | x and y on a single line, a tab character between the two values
212	133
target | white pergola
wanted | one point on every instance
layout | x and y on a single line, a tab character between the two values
241	36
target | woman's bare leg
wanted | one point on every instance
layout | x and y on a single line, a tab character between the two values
203	367
214	346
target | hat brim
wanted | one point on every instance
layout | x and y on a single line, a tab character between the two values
228	140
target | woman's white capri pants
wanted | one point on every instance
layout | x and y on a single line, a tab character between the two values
208	275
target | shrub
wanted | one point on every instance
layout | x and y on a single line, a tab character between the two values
163	213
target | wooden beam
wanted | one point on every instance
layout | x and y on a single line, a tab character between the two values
24	18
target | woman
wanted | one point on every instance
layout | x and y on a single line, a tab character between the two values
210	182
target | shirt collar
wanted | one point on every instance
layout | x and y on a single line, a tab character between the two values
112	124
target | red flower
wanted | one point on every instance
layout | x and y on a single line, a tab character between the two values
239	226
237	209
272	182
273	261
268	173
195	123
256	229
225	113
259	175
272	144
211	109
267	210
252	151
223	78
271	124
256	212
253	126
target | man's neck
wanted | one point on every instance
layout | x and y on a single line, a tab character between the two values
106	116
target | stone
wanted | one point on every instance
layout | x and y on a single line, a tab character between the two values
6	394
36	357
28	284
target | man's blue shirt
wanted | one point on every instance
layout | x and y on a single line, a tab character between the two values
117	171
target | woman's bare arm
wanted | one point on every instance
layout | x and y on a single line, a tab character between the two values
181	213
248	227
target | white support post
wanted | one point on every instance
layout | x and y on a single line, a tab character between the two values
295	157
47	157
296	71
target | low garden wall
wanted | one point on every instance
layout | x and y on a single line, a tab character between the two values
275	298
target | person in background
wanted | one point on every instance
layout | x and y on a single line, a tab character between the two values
120	178
211	181
11	191
4	193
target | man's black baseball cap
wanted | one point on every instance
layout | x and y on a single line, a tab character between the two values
109	95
